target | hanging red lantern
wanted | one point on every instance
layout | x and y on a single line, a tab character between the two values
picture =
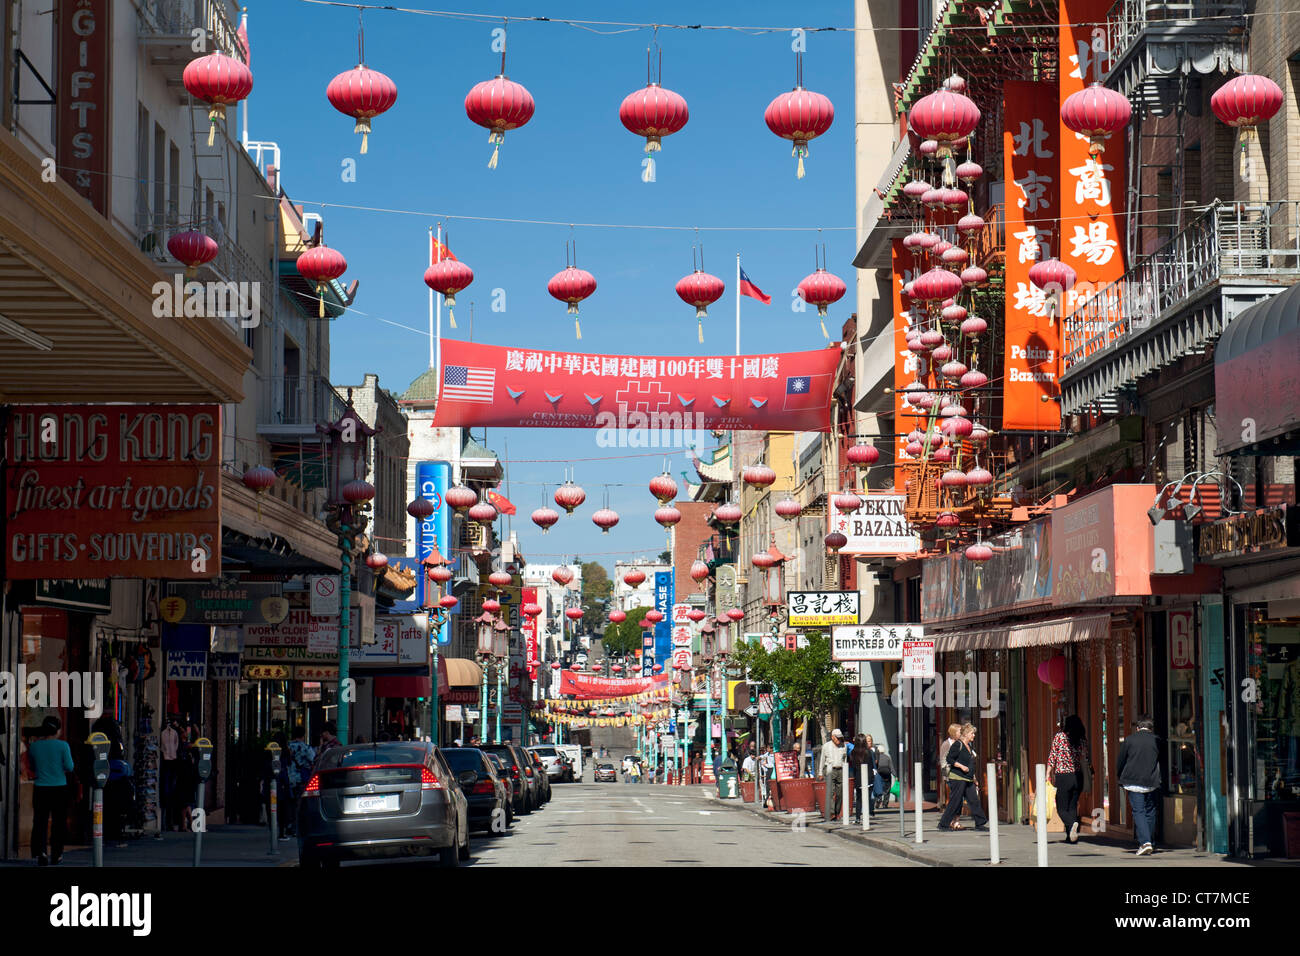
952	478
544	518
979	552
955	427
439	573
499	105
448	277
604	519
1245	101
259	478
617	669
762	560
699	571
701	290
617	617
1055	278
1097	113
947	521
500	579
562	575
727	513
667	516
460	498
788	508
736	614
758	476
193	249
555	665
974	275
569	496
846	503
863	456
799	116
970	224
653	112
363	94
916	189
822	289
935	285
572	285
376	560
573	613
491	605
220	81
448	602
836	540
358	492
634	578
945	116
974	327
696	615
654	616
483	513
420	509
321	265
663	487
969	171
978	477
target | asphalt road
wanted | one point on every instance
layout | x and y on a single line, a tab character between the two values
617	824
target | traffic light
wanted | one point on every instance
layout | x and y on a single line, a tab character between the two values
753	693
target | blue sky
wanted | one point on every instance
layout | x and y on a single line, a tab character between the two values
574	162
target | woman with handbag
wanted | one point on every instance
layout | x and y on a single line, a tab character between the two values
52	771
1070	770
961	782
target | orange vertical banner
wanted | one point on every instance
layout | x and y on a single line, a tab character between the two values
907	365
1031	151
1092	191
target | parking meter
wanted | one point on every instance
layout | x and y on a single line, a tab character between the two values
99	746
203	767
273	810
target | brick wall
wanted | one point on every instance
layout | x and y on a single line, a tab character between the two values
690	533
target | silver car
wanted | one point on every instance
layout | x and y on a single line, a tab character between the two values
382	800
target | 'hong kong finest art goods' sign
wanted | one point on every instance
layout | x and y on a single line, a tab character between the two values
97	491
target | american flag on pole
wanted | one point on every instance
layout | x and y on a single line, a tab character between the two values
462	383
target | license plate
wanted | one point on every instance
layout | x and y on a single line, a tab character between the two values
372	803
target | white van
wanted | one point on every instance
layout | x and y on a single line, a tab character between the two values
574	753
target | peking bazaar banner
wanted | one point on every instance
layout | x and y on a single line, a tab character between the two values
594	687
98	491
489	385
1032	360
1092	242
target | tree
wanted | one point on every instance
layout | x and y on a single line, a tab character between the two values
665	557
809	678
596	589
624	637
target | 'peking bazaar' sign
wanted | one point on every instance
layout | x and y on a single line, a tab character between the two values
1032	358
594	687
488	385
1092	242
97	491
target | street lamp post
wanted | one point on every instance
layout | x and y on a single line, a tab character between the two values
725	647
483	624
500	655
774	599
436	607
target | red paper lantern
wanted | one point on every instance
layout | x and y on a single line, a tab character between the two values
447	277
604	519
1096	112
321	265
654	112
555	665
696	615
634	578
836	540
864	456
788	508
460	498
1055	278
569	496
701	290
499	105
448	601
654	616
491	605
572	285
259	478
617	669
846	503
1052	671
440	573
761	559
822	289
483	513
969	171
363	94
358	492
562	575
544	518
799	116
667	516
663	487
935	285
193	249
500	579
617	617
727	513
979	477
573	613
1245	101
220	81
945	116
974	275
736	614
946	521
699	571
979	552
956	427
420	509
376	560
952	478
759	476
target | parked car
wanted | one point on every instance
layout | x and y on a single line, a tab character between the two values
514	785
490	798
605	773
383	800
551	760
574	753
521	768
543	778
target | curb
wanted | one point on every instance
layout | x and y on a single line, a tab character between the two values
853	836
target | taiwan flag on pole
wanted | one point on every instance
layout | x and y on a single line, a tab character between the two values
501	503
748	288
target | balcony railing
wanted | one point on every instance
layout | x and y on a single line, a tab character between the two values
1153	43
991	241
1255	242
1129	18
305	400
177	18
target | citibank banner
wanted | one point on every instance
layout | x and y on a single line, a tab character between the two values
522	388
431	480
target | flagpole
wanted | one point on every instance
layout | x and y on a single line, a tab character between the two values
737	303
431	338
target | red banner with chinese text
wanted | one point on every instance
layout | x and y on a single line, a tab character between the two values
594	687
529	596
907	366
1031	147
1092	242
519	388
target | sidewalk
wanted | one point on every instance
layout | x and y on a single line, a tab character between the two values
1017	844
223	845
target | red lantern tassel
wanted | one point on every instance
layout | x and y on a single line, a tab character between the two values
320	292
363	127
577	328
701	331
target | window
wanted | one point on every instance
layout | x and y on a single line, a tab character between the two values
142	164
158	176
173	185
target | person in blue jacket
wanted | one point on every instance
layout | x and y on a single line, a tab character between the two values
51	762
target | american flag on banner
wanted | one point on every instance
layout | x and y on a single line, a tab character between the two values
462	383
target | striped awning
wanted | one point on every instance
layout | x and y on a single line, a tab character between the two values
1066	630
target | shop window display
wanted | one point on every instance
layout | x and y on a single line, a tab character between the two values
1274	663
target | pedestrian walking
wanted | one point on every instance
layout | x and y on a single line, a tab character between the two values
767	773
962	785
954	730
1139	774
884	778
831	767
169	749
717	764
1070	766
328	738
300	758
50	765
861	756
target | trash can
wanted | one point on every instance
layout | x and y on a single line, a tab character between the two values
728	783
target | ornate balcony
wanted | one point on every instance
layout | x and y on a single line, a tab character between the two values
1153	43
1176	301
165	31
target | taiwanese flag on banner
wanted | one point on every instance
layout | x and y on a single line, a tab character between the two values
748	288
501	503
805	391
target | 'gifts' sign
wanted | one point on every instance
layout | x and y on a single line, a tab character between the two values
85	35
97	491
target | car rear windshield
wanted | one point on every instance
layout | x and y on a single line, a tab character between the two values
464	758
359	777
388	752
507	756
544	751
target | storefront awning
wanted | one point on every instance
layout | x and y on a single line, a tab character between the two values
461	672
411	685
1067	630
1254	378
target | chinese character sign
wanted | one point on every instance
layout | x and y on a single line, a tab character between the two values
908	367
1031	151
486	385
1091	239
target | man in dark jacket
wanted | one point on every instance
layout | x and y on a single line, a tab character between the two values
1139	774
